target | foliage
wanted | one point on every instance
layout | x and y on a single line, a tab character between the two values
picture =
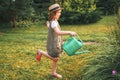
108	6
76	10
5	10
18	9
18	49
79	11
41	7
24	24
79	5
23	9
79	18
102	67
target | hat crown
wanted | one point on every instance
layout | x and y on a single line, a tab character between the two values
54	7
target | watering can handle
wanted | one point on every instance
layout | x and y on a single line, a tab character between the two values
72	37
77	36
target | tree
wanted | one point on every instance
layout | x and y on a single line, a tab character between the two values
79	5
79	11
108	6
15	10
41	7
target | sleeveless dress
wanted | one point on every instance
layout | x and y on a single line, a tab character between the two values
54	42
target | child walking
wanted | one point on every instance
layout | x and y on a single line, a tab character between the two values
54	41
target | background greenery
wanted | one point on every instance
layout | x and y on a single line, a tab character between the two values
74	12
18	49
23	31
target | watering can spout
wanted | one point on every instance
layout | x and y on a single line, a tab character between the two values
85	51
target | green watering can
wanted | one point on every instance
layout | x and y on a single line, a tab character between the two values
72	45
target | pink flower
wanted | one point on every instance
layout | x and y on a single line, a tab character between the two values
113	72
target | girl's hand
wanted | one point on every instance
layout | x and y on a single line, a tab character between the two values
73	33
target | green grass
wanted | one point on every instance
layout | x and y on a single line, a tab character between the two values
18	48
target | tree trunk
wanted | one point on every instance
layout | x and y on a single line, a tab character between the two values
14	22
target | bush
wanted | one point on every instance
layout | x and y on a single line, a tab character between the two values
79	12
68	17
24	24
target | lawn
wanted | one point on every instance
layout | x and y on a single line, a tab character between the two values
18	49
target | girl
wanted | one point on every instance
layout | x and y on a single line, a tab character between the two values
54	41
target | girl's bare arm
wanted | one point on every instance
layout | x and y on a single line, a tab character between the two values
60	32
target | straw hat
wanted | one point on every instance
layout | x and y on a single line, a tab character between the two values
54	7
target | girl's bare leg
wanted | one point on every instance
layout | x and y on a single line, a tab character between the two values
46	54
54	67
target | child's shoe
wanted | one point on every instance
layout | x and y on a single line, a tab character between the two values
38	55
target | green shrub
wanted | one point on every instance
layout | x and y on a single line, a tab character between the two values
79	18
24	24
79	12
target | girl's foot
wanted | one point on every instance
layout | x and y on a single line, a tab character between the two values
38	55
57	75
